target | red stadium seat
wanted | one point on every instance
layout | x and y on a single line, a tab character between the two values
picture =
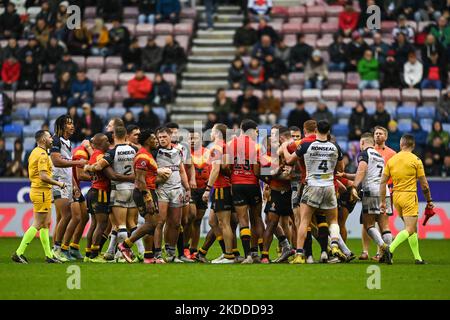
333	20
336	78
104	95
291	27
334	11
351	95
331	95
94	75
311	39
291	95
113	62
411	95
144	29
124	77
80	61
352	80
183	28
388	26
290	40
279	11
391	94
324	42
371	95
329	27
296	78
311	94
316	11
25	96
233	94
43	97
311	27
299	11
95	62
110	78
163	28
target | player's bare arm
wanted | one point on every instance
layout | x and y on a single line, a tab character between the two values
426	191
215	170
45	178
384	180
112	175
184	181
59	162
360	173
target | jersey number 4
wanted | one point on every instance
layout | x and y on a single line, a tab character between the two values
323	166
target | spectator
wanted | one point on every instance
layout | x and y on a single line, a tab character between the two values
77	134
82	90
4	157
173	56
34	47
316	72
266	30
60	31
128	119
430	167
109	10
42	32
379	48
168	11
442	32
10	25
90	122
161	93
435	74
337	52
100	38
300	54
263	48
147	118
210	9
61	14
409	8
6	105
66	65
46	14
10	74
322	113
151	56
269	108
255	74
381	117
446	167
147	11
412	71
18	165
420	137
139	89
245	37
355	51
236	75
298	116
275	73
394	136
348	19
360	122
223	106
403	27
259	9
437	150
428	11
282	52
61	90
53	53
390	72
443	107
368	69
402	49
349	165
432	45
119	38
211	121
437	131
12	49
29	73
364	16
246	104
80	41
391	9
132	56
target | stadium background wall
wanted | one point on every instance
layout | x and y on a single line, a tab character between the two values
16	212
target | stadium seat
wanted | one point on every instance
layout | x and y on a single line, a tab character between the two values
343	144
371	94
130	12
334	10
352	80
426	112
412	95
406	112
171	78
285	110
291	27
351	95
332	94
183	28
20	114
427	124
316	11
404	125
446	127
95	63
296	78
323	44
113	62
124	77
336	78
297	11
24	96
163	28
94	75
43	97
340	130
311	94
391	94
430	95
104	95
161	113
80	61
329	27
29	131
29	143
12	131
116	112
144	29
388	26
310	27
344	112
136	111
110	78
90	12
370	108
311	108
279	12
55	112
48	78
101	112
291	95
38	114
188	13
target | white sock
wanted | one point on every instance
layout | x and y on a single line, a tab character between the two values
387	237
139	243
122	234
343	246
112	242
334	234
376	236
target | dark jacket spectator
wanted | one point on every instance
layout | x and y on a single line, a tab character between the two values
42	32
18	165
266	30
168	10
66	65
337	52
247	101
47	14
420	136
119	38
298	116
255	73
29	74
236	74
147	11
61	90
355	51
359	123
437	150
82	90
322	113
132	56
379	48
53	53
443	107
394	136
263	48
12	49
381	117
245	36
79	41
109	9
275	73
10	25
161	93
390	74
151	56
34	47
147	118
173	56
90	122
430	46
128	119
283	52
6	105
223	106
300	54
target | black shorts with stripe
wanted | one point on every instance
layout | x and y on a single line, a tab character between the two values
280	203
246	194
79	199
222	200
98	201
151	196
196	198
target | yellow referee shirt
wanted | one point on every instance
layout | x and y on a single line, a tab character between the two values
39	160
404	168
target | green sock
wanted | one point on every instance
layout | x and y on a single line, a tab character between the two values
26	240
45	241
401	236
414	244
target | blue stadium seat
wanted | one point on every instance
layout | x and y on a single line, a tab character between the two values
446	127
406	112
340	130
55	112
404	125
370	109
310	109
38	114
12	131
102	113
427	124
344	112
116	112
343	144
392	110
9	145
29	144
161	113
51	125
136	111
266	127
28	131
332	109
20	114
344	121
18	122
426	112
36	124
286	110
283	122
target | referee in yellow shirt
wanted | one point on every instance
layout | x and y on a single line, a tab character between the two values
40	173
405	168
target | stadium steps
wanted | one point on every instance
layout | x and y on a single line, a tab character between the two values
207	67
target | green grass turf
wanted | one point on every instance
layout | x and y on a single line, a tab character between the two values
403	280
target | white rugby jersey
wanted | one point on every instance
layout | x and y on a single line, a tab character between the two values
121	159
375	165
320	159
63	147
170	158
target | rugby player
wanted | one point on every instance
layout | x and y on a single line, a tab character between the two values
40	173
405	168
61	156
172	195
133	132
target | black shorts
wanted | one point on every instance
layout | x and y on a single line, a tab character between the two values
79	199
280	203
98	201
344	202
221	199
246	194
152	196
196	198
319	218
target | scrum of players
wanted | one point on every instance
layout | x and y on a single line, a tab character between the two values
153	188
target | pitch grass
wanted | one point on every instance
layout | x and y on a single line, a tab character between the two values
403	280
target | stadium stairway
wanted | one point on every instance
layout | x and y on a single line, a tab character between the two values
207	68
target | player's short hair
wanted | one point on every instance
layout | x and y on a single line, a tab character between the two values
222	128
248	124
131	128
277	126
144	135
294	128
367	136
172	125
117	122
120	132
382	129
408	140
323	127
39	134
284	131
310	126
164	129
